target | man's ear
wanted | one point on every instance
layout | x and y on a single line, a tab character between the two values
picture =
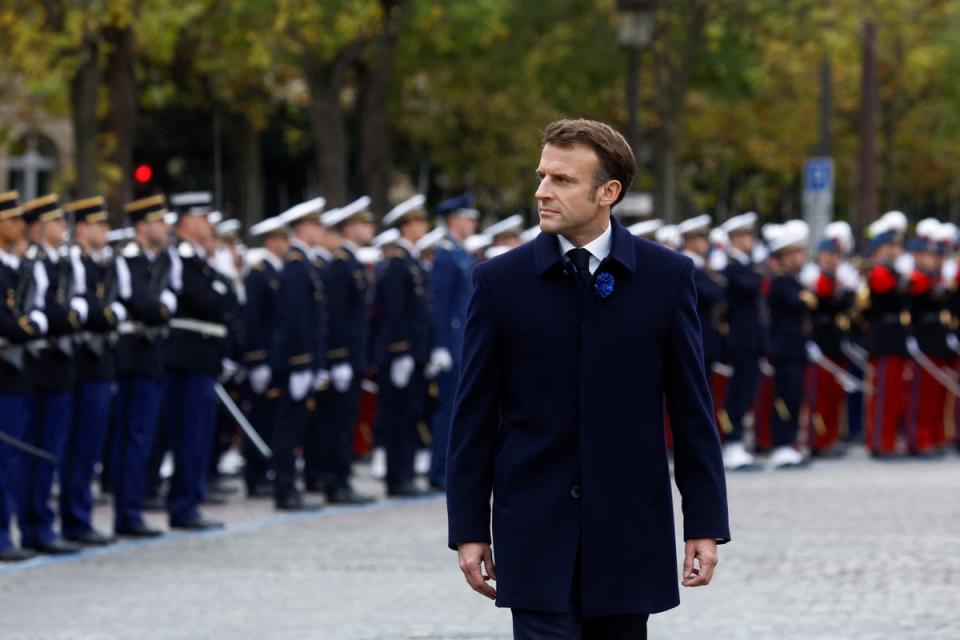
609	192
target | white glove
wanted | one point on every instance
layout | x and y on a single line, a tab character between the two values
169	300
953	343
81	307
766	368
228	369
322	380
440	361
119	311
300	384
848	277
260	378
39	318
809	275
342	376
400	371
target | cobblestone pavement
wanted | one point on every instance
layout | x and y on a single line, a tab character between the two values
846	549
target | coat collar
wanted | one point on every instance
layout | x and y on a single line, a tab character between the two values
546	249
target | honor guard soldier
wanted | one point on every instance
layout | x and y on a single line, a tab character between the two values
95	349
645	229
51	370
884	308
299	348
835	285
144	287
506	232
746	343
451	282
928	302
193	357
23	285
695	233
401	345
790	330
346	293
261	322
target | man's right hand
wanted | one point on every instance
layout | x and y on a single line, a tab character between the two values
472	556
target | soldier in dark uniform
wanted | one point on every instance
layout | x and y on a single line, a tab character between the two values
143	284
21	321
194	353
345	288
695	233
51	369
884	308
401	345
790	329
92	262
746	341
451	283
299	349
261	322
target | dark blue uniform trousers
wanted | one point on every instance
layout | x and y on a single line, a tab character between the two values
788	384
15	412
262	412
288	431
84	446
742	391
440	424
338	417
47	429
138	409
398	414
191	406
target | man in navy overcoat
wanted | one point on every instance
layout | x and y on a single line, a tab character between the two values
573	342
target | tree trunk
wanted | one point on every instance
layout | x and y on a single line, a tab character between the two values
866	208
121	120
251	200
327	125
374	147
83	112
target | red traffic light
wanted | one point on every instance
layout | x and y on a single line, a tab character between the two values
143	174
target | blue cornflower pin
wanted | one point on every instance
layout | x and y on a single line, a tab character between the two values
603	287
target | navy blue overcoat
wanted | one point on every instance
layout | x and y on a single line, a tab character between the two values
560	418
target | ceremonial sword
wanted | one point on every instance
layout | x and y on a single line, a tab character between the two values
849	382
241	420
27	448
931	367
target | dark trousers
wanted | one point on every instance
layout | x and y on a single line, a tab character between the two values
192	403
93	402
541	625
741	391
15	412
263	408
337	419
399	412
47	429
440	424
788	385
139	408
288	429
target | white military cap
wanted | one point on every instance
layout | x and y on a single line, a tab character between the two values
743	222
229	227
794	233
191	203
214	218
118	235
770	231
431	239
387	237
407	208
270	225
529	234
719	237
668	236
476	242
510	224
947	232
357	208
928	228
697	224
311	208
171	217
646	228
498	250
840	232
897	220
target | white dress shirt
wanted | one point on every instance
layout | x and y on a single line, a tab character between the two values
599	248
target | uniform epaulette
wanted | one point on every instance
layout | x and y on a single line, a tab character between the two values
340	254
32	252
185	249
131	250
259	266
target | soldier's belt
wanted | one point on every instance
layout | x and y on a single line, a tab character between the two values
211	329
150	332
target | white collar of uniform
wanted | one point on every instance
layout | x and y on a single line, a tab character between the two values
321	252
739	256
599	247
9	259
409	246
275	261
303	246
698	261
52	253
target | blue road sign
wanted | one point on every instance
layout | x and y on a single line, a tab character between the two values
818	175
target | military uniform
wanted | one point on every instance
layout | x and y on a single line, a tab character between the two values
96	377
21	322
51	369
143	280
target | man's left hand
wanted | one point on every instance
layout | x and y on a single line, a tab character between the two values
704	552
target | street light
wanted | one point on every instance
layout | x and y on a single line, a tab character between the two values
634	34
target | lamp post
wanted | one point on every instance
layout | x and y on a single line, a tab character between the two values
634	34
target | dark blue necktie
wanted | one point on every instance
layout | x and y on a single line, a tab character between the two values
581	262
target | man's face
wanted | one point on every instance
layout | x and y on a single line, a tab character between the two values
53	232
11	230
567	200
156	233
413	230
828	261
461	227
698	244
742	241
925	260
359	233
793	259
93	234
277	243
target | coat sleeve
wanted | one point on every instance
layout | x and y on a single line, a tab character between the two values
698	462
476	422
442	283
255	341
392	291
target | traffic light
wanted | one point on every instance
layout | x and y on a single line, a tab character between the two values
143	174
